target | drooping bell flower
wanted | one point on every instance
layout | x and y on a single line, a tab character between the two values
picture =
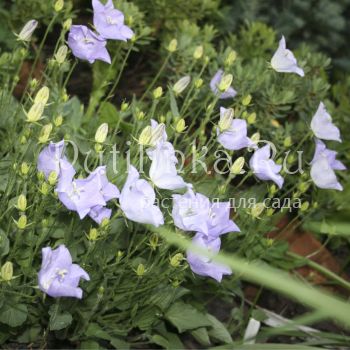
99	213
202	265
52	159
284	61
232	133
226	92
163	172
107	189
194	212
265	168
137	200
87	45
58	276
322	126
322	167
109	22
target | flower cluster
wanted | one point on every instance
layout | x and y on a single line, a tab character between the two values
109	23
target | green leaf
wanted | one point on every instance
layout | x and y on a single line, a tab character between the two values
184	317
173	104
4	244
60	321
13	315
218	331
201	335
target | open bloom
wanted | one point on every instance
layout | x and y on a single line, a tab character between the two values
137	200
194	212
265	168
109	22
322	126
323	165
284	61
230	92
58	276
99	213
163	171
87	45
232	133
202	265
51	159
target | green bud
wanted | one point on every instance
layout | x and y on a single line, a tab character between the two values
22	202
58	120
181	84
45	188
257	209
101	133
237	166
35	112
251	118
67	24
124	106
222	189
273	189
59	5
140	115
158	92
180	125
255	137
246	100
198	83
176	260
305	206
303	187
172	45
226	119
61	54
40	175
140	271
7	271
23	140
153	241
25	168
145	136
52	178
27	31
42	96
105	222
45	133
269	242
22	222
231	57
93	234
198	52
225	82
270	211
287	141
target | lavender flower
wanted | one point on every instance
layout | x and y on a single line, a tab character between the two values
106	188
99	213
137	200
58	276
202	265
194	212
109	22
322	126
284	61
51	159
323	165
215	82
265	168
232	133
87	45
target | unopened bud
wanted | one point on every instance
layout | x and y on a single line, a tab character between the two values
180	125
45	188
255	137
35	113
145	136
257	209
22	202
22	222
58	120
140	115
251	118
273	189
93	234
157	134
33	84
225	82
198	52
158	92
181	84
52	179
7	271
25	168
45	133
42	95
23	140
67	24
305	206
124	106
172	45
270	211
176	260
275	123
105	222
101	133
231	57
237	166
153	241
303	187
61	54
246	100
59	5
27	31
198	83
287	141
140	271
226	119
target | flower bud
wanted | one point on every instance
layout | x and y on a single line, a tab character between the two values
180	125
59	5
58	120
61	54
231	57
270	211
198	52
251	118
27	31
303	187
145	136
198	83
22	222
105	222
153	241
101	133
273	189
41	176
25	168
255	137
45	133
52	179
275	123
176	260
119	255
287	141
269	242
162	119
157	134
42	95
172	45
226	119
7	271
93	234
22	202
237	166
23	140
181	84
158	92
140	115
257	209
225	82
140	271
222	189
124	106
305	206
35	113
67	24
33	83
246	100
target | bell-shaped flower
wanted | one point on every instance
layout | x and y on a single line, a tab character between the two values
265	168
163	172
153	136
109	22
202	265
87	45
99	213
323	165
137	200
229	91
194	212
58	276
52	159
322	126
284	61
232	133
107	189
